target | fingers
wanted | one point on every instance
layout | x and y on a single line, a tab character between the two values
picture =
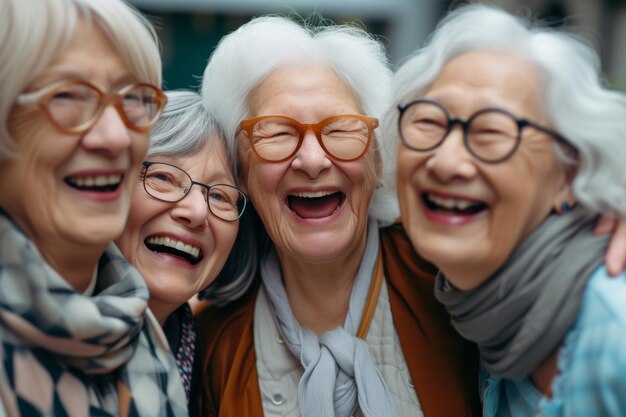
615	257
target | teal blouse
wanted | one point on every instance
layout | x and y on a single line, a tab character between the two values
592	363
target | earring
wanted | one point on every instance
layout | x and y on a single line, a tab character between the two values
565	207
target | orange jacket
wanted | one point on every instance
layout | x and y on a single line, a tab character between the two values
443	367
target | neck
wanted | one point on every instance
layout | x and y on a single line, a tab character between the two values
161	310
74	263
319	292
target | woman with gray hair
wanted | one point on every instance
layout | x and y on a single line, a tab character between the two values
505	204
80	93
179	236
340	319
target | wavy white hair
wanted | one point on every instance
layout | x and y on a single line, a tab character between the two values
579	106
244	58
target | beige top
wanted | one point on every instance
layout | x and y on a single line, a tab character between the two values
280	372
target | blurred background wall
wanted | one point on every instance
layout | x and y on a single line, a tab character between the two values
190	29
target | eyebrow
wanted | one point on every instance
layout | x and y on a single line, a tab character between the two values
448	102
53	74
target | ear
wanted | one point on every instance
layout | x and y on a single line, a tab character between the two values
565	200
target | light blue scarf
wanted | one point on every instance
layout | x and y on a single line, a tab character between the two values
339	374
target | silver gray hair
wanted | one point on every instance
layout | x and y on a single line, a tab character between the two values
184	128
34	32
590	116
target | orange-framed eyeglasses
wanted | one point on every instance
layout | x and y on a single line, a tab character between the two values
276	138
75	106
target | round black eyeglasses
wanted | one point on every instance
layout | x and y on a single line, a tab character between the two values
491	135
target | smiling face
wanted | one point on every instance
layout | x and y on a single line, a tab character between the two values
314	208
179	248
71	193
467	216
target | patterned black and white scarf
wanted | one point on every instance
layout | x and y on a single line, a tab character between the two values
64	353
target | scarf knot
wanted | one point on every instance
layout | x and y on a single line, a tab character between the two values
339	374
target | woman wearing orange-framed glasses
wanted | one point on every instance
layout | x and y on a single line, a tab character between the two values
80	92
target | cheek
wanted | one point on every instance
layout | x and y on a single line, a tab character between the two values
142	210
141	142
370	174
409	163
224	235
525	203
265	176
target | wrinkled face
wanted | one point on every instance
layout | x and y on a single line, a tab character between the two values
179	248
314	207
464	215
73	190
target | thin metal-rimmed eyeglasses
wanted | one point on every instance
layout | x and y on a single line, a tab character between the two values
491	135
166	182
276	138
75	106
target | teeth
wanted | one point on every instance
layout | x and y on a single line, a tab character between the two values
450	203
313	194
176	244
97	180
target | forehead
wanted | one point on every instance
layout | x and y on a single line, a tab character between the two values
295	86
209	163
77	59
488	79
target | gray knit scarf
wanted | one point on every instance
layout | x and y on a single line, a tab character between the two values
64	353
523	311
339	374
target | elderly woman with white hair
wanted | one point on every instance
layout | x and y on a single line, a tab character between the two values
340	319
510	147
80	92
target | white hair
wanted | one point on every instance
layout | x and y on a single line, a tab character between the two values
34	32
590	116
246	57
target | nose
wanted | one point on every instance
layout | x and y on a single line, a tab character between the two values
192	210
311	157
451	159
109	135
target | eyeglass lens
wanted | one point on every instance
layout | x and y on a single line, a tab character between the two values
491	134
169	183
74	104
276	138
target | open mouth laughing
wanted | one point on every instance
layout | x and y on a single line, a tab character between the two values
455	206
170	246
315	204
97	183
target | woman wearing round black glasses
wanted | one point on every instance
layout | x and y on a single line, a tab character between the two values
509	147
183	222
80	94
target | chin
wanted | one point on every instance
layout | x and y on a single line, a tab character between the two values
100	231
